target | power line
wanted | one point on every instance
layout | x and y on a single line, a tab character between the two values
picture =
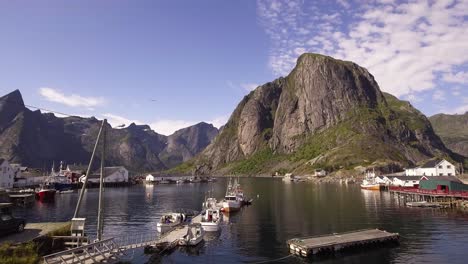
40	108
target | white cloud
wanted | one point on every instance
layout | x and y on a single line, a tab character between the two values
163	126
459	77
219	121
406	47
72	100
438	95
117	121
249	86
168	127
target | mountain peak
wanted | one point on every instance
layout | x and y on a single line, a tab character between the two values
10	106
14	97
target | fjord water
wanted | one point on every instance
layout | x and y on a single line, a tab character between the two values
280	211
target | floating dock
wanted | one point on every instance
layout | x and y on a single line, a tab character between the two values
308	246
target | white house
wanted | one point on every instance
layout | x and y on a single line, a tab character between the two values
150	178
111	175
7	174
433	168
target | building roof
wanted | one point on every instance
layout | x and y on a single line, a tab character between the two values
405	178
443	178
107	171
430	163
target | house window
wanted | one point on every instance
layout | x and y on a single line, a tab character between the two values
449	167
440	166
440	174
450	174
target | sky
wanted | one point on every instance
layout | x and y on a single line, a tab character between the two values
174	63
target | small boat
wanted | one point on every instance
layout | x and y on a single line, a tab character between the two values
211	220
369	182
180	181
169	221
65	191
288	177
194	236
46	193
195	179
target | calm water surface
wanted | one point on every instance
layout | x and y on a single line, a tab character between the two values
280	211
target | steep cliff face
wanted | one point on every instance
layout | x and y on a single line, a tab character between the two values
325	113
453	130
36	140
185	143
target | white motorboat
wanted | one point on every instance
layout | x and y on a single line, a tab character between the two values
211	219
232	202
169	221
288	177
194	235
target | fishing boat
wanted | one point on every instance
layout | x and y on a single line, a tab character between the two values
46	193
195	234
211	219
232	199
369	182
169	221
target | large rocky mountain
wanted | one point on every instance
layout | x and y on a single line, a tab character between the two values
36	139
326	113
453	130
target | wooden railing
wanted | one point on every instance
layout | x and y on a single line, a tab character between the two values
463	194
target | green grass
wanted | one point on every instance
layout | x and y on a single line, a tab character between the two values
19	254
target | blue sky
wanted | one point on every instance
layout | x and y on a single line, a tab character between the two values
174	63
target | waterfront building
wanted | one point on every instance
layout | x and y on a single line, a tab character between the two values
150	178
443	183
433	168
117	174
7	174
404	181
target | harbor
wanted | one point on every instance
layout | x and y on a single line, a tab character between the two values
259	232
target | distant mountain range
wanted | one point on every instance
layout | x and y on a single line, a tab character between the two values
326	113
453	130
38	139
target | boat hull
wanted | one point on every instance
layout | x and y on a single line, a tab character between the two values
372	187
163	228
231	206
210	226
47	195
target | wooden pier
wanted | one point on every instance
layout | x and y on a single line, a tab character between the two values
109	250
308	246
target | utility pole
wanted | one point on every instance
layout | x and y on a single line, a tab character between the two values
88	172
100	223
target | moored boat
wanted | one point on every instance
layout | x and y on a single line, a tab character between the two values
194	235
211	219
369	182
46	193
169	221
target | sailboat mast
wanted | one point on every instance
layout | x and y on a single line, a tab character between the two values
88	172
100	223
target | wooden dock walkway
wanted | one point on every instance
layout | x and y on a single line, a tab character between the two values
334	242
109	250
